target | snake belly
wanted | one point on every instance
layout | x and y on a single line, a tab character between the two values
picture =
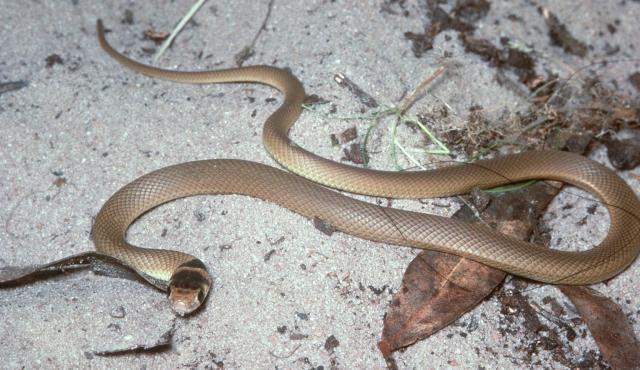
305	192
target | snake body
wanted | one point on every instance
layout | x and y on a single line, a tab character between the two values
188	282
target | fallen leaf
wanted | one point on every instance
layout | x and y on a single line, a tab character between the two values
608	325
438	288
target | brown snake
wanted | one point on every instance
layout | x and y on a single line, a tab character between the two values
188	282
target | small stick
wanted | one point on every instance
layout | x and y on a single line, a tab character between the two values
406	102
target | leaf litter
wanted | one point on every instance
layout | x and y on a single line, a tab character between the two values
437	289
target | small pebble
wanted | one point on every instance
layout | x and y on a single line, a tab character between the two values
117	312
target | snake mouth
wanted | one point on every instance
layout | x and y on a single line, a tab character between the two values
185	301
189	287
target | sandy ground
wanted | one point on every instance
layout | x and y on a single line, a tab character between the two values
99	126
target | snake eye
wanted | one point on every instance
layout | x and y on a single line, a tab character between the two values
201	295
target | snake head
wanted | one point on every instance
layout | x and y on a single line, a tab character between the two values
188	287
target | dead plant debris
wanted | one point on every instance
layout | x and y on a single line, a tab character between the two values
608	324
162	344
624	154
156	36
127	17
345	136
460	18
522	318
100	264
314	99
364	98
53	59
438	288
59	181
518	61
560	36
331	343
634	78
591	109
352	151
12	86
353	154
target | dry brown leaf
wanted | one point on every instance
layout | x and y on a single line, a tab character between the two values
435	291
438	288
608	325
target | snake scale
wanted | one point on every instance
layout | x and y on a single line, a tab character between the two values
304	190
